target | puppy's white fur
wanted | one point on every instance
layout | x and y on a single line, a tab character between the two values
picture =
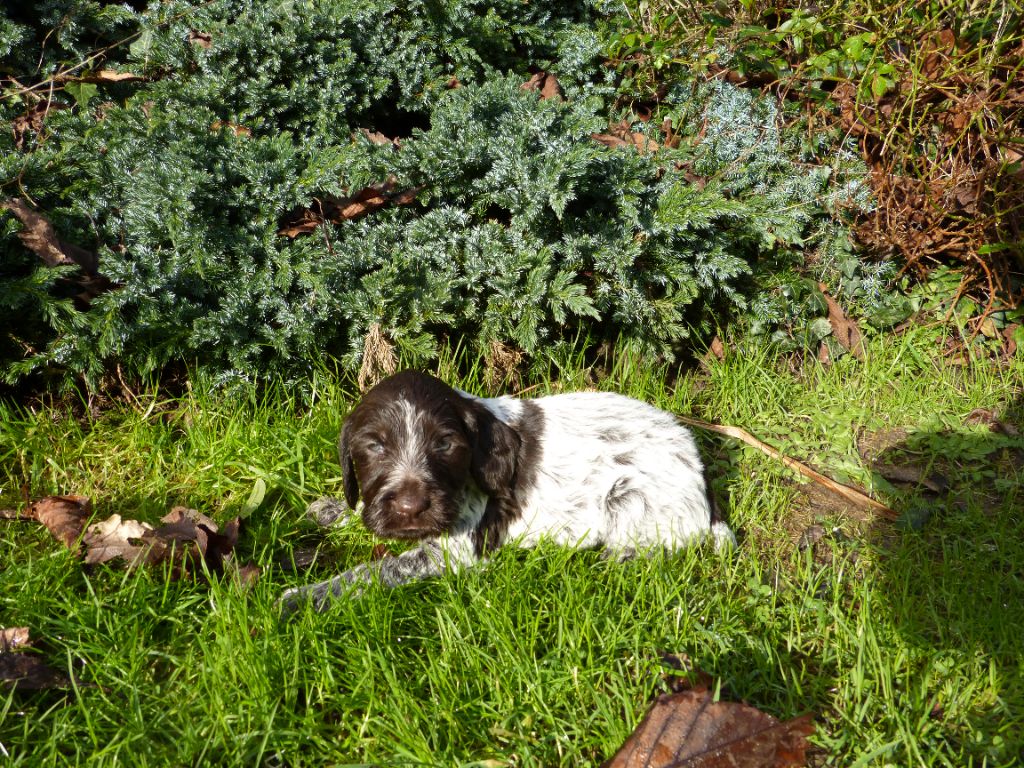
615	472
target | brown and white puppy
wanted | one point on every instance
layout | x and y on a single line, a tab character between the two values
465	475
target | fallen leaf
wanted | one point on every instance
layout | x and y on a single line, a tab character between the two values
717	348
32	120
376	137
104	76
63	516
1010	340
202	39
989	417
544	82
40	237
823	355
844	329
682	675
247	575
302	224
186	537
370	199
183	555
632	139
691	729
238	130
24	671
115	538
12	638
363	202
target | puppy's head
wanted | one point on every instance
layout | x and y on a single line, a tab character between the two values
411	447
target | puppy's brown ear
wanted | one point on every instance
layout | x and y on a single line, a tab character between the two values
348	469
495	450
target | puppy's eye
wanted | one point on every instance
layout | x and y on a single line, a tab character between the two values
375	446
444	444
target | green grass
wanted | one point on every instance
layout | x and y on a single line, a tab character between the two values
904	642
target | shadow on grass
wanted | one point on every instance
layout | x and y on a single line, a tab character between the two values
953	564
950	570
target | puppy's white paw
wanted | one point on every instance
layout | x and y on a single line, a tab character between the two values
328	512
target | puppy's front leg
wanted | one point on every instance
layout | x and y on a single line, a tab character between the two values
431	558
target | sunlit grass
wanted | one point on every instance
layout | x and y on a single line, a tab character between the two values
905	643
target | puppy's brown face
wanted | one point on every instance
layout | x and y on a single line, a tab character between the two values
411	450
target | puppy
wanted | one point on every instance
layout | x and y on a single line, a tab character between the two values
465	475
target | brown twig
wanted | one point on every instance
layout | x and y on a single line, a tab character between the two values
850	494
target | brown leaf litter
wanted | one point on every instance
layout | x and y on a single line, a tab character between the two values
688	728
844	329
350	208
187	540
39	236
25	671
544	83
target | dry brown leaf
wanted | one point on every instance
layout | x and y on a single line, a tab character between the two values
13	638
202	39
717	348
302	224
22	671
370	199
248	575
546	83
691	729
104	76
989	417
63	516
609	140
363	202
238	130
630	139
376	137
823	355
32	120
845	330
1009	340
186	537
39	236
115	538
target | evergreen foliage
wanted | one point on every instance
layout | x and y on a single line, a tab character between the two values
524	229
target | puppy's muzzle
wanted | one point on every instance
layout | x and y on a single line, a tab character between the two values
405	505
